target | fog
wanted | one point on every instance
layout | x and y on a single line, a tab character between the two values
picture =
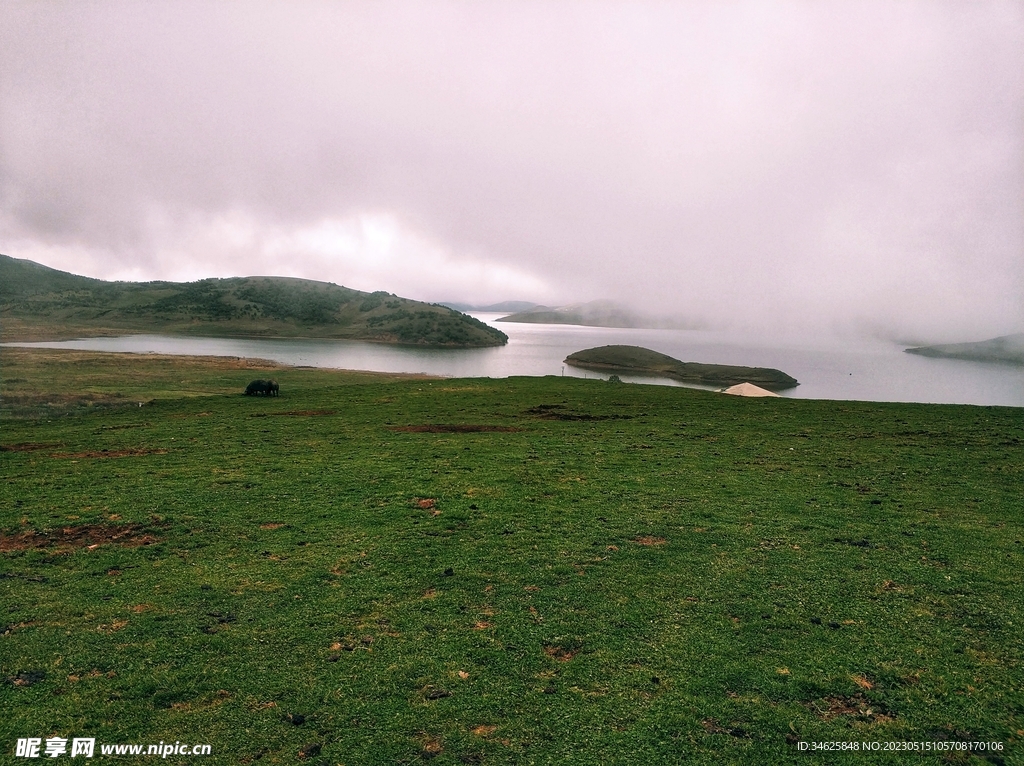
855	167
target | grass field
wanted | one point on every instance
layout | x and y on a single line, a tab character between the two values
531	570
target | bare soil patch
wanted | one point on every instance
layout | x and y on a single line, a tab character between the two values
554	412
130	452
84	536
855	706
650	540
454	429
28	446
561	653
295	413
26	678
712	726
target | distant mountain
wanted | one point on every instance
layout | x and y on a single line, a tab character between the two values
503	307
37	303
635	360
598	314
1008	349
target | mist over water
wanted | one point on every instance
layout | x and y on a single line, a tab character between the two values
871	370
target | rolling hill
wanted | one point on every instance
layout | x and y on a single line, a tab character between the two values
40	303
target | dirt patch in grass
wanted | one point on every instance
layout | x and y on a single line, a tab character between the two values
26	678
431	746
28	446
854	706
454	429
711	726
854	543
130	452
8	629
310	751
295	413
85	536
427	504
650	540
554	412
561	653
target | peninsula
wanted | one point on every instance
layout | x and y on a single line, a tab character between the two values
634	360
40	303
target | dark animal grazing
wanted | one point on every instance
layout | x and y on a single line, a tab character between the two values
264	387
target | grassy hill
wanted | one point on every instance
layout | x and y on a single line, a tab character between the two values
37	302
532	570
1007	349
634	360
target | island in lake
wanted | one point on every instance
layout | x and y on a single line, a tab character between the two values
634	360
1008	349
40	303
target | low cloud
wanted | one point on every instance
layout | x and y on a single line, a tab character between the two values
857	166
366	251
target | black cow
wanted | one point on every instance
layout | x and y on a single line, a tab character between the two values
258	387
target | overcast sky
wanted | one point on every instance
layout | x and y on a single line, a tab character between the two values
847	165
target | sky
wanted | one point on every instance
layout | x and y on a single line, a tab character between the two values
850	166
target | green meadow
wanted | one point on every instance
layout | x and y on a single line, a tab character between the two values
373	570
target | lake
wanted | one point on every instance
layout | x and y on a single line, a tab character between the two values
864	369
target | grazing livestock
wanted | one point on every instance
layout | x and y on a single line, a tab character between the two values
264	387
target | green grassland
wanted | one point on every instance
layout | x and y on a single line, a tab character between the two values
45	383
531	570
39	303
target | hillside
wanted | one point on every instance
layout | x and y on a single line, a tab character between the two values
40	303
598	314
1007	349
635	360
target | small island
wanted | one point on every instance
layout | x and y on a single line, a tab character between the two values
1007	349
634	360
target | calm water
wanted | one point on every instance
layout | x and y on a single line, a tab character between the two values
866	370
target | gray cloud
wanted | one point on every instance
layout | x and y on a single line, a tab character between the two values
848	165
